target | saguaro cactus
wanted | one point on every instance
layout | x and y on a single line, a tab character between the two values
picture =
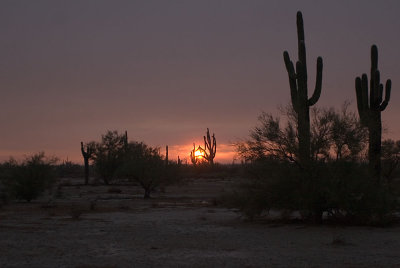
210	147
299	92
166	155
86	156
370	110
193	157
126	140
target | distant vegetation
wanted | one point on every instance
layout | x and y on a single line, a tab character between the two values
116	159
206	154
29	179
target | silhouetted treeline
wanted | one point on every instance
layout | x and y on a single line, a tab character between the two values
115	159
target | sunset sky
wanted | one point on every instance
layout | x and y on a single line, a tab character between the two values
165	71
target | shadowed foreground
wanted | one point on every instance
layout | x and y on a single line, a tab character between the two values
179	228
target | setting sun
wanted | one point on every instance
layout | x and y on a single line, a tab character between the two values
199	153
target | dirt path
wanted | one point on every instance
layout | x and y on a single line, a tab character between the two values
170	232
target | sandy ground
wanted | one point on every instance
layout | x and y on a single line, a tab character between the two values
179	228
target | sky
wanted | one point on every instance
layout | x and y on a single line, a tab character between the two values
165	71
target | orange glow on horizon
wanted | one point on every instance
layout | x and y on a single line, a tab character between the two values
199	154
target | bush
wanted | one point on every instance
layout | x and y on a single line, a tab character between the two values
335	182
144	165
269	184
108	155
342	190
28	180
68	169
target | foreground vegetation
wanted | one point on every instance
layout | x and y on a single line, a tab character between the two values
323	161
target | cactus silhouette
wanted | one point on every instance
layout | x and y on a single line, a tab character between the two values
86	156
299	92
210	147
126	140
166	155
193	157
370	110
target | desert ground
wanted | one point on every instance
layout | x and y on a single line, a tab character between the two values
183	226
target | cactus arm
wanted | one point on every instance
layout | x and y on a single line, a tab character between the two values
387	95
206	155
380	94
292	79
362	98
214	144
205	148
318	84
359	97
205	142
289	66
88	152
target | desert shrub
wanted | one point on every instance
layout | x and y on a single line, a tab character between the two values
335	135
342	190
146	166
205	170
336	182
67	169
276	185
390	159
29	179
108	155
355	196
265	187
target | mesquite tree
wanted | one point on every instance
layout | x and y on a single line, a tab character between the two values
299	92
370	110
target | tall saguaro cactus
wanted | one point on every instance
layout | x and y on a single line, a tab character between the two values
299	92
210	147
86	156
370	110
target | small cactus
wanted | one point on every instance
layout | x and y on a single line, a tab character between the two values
370	110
